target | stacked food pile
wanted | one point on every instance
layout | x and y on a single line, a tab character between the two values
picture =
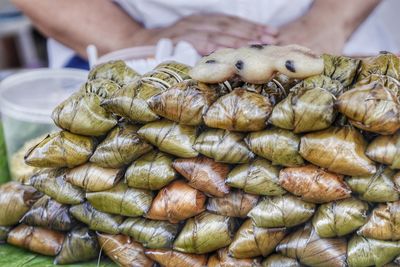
263	155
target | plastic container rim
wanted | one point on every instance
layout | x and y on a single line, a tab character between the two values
33	114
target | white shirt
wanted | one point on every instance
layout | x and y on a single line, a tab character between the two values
370	38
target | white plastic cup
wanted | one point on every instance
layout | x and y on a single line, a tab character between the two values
28	98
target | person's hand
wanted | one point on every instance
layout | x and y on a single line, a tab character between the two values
314	35
210	32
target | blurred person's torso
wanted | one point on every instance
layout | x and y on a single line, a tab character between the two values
370	38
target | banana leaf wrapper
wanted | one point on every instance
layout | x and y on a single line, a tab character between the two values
115	70
151	171
36	239
321	81
185	102
121	146
384	223
204	174
340	218
385	149
62	149
309	249
51	182
259	177
281	211
49	214
171	258
222	259
278	260
235	204
371	107
383	186
223	146
121	200
15	201
97	220
123	250
314	184
383	64
305	110
131	101
276	89
340	68
277	145
93	178
231	111
104	88
177	202
339	150
4	230
205	233
171	137
386	81
151	234
251	241
79	245
82	114
362	251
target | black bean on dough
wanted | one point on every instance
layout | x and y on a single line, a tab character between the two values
257	46
210	61
239	64
289	64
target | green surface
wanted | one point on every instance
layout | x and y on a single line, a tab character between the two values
11	256
4	174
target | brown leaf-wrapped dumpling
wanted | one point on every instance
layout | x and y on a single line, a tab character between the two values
362	251
205	233
277	145
123	250
223	146
177	202
340	150
232	111
115	70
235	204
372	107
36	239
384	222
314	184
281	211
340	68
121	146
383	186
171	137
339	218
384	64
61	149
385	149
185	102
121	200
15	201
305	110
52	183
81	113
93	178
252	241
311	250
221	258
204	174
151	171
259	177
50	214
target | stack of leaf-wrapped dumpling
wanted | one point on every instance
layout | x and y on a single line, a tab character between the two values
258	156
